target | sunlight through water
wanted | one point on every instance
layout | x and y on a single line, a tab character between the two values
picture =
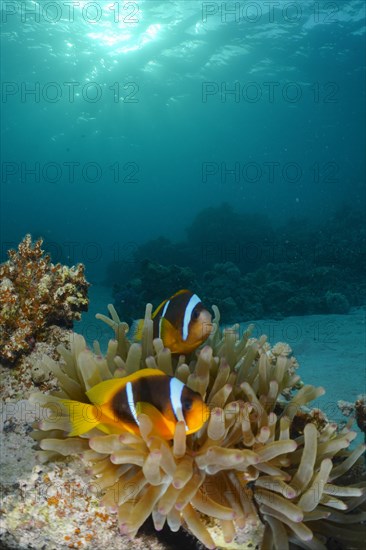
118	26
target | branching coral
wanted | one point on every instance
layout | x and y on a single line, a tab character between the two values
261	455
34	294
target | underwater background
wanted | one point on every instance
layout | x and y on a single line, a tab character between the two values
210	145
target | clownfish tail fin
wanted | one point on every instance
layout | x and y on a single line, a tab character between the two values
136	330
83	417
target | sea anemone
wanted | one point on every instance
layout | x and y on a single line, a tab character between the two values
260	456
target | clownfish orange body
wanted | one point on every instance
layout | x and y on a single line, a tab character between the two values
116	404
181	322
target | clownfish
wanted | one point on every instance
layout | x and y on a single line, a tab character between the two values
116	404
181	322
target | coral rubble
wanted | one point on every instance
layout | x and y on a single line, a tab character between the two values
35	294
261	457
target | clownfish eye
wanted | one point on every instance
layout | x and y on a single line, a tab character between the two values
195	314
187	404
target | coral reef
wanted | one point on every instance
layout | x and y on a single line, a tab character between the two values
35	294
222	234
261	457
153	281
298	268
336	302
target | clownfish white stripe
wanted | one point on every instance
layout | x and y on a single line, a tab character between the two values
176	389
131	401
165	308
162	316
188	313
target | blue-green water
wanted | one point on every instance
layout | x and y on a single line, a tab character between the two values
121	121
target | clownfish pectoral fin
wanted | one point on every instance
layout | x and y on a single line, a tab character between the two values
83	417
168	333
162	426
136	330
109	429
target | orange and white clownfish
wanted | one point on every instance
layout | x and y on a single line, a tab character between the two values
116	404
181	322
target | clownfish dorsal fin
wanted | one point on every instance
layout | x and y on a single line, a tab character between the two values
104	391
183	291
143	373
